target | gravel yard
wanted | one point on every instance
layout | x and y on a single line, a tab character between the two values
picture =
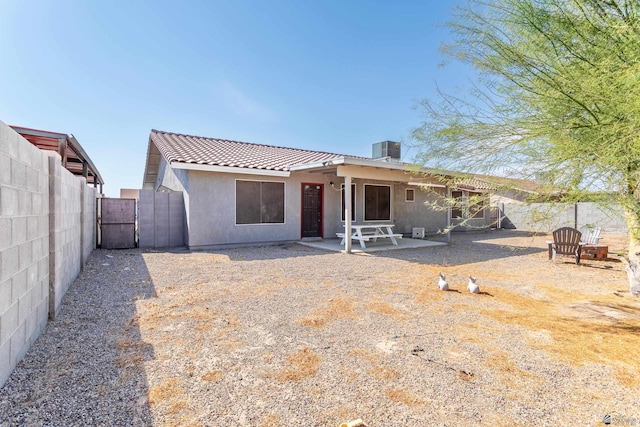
290	335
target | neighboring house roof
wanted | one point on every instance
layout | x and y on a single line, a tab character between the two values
491	182
73	156
473	184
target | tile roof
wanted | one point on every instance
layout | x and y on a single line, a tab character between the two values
492	182
221	152
191	149
469	181
473	184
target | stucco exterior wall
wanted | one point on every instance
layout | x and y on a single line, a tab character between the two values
210	206
171	179
404	215
211	209
419	213
174	180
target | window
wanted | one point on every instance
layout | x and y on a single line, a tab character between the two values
259	202
458	203
467	204
377	202
475	204
409	195
353	202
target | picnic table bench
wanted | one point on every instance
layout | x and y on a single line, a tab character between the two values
371	232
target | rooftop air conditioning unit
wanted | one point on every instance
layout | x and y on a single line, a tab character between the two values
386	149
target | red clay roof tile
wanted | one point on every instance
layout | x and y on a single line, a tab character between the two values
221	152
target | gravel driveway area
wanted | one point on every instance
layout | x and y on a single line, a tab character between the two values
291	335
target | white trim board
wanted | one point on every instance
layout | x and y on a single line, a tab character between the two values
228	169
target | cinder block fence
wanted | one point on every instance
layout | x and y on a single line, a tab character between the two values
162	221
47	231
546	217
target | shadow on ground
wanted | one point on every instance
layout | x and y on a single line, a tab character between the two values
472	247
469	247
86	367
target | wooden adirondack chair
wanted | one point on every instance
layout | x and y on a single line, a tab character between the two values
566	241
590	236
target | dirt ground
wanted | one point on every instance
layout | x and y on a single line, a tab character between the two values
290	335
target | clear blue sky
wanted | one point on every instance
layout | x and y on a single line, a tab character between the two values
327	75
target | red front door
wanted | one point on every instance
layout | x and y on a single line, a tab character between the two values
312	210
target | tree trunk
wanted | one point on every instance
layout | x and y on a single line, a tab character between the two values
633	265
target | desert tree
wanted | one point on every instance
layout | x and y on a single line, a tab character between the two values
556	98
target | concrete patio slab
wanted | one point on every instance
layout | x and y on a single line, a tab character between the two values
382	245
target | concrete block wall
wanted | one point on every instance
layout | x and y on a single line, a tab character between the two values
88	225
24	244
146	222
42	241
546	217
161	219
65	245
611	219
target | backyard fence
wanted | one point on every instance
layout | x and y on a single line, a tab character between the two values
161	219
117	223
546	217
47	231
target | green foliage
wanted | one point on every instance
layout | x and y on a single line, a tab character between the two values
557	97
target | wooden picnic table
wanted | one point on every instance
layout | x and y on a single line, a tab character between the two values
366	232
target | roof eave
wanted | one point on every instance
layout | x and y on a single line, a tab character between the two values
324	164
84	156
147	182
228	169
349	161
75	146
374	163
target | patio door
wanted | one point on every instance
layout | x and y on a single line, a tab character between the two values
312	210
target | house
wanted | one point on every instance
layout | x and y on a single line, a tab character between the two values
239	193
502	191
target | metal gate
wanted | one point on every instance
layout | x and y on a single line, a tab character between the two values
118	223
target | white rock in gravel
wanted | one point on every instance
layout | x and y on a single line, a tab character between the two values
473	286
386	346
442	283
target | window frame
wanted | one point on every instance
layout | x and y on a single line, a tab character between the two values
284	202
478	209
406	195
457	205
461	205
364	202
